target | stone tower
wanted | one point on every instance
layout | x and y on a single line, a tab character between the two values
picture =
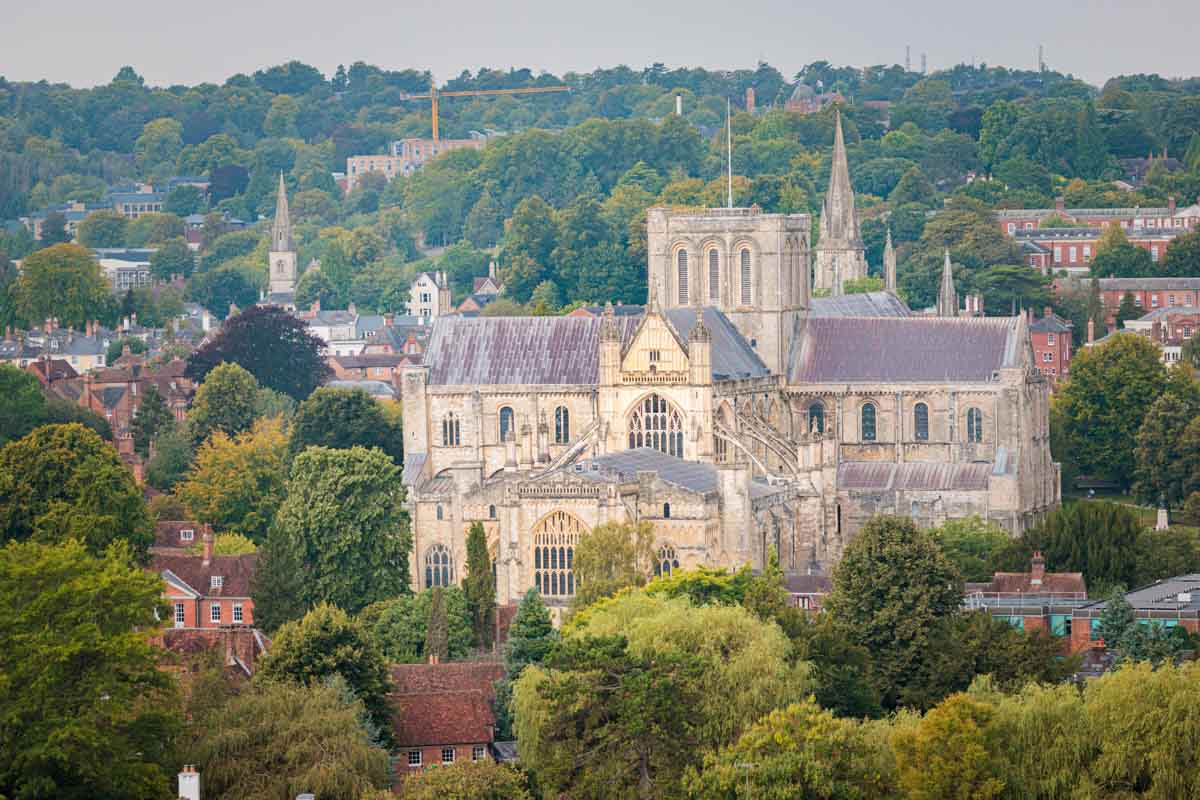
840	253
750	265
282	258
889	264
947	301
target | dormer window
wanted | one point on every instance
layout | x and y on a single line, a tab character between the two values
216	581
187	535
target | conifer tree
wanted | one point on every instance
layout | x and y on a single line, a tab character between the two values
530	638
437	632
153	416
479	586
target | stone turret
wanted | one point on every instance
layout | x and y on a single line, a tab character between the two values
889	264
841	255
610	348
947	302
700	353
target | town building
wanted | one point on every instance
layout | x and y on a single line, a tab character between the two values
1034	600
125	268
132	205
1052	250
1169	602
1169	328
804	99
416	153
737	413
206	590
1051	336
443	713
1149	294
429	296
358	167
84	350
1169	216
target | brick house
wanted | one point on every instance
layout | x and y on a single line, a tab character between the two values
1050	335
1170	602
1034	600
372	366
1072	249
176	537
443	713
1169	328
206	590
1170	216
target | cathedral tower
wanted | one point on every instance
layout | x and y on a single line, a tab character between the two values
840	253
282	258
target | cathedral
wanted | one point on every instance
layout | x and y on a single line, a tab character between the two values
740	410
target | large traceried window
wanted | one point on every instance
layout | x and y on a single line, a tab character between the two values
714	276
747	294
451	429
868	422
562	425
554	541
656	423
974	425
816	418
681	261
506	423
921	422
439	567
667	561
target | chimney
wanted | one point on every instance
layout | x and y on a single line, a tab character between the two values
679	105
353	311
1037	568
1171	204
207	538
389	319
433	658
750	99
189	783
1060	204
492	270
205	320
1047	311
1091	336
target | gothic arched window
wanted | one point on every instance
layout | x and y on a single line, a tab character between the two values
921	422
974	425
562	425
554	542
816	418
657	424
491	512
667	562
681	260
714	276
747	294
450	430
666	510
440	513
868	422
279	267
506	423
439	567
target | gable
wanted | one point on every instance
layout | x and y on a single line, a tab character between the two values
656	349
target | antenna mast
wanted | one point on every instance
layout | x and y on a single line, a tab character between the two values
729	152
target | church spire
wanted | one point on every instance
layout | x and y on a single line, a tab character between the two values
889	264
947	302
839	219
281	228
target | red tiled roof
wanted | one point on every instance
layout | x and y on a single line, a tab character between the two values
422	720
457	676
1052	582
167	534
236	572
54	369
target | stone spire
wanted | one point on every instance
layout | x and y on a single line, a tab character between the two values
281	228
947	302
840	254
889	264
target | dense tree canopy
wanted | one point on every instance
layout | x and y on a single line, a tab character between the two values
343	418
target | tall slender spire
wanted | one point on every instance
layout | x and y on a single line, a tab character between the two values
281	228
729	152
947	302
839	218
889	264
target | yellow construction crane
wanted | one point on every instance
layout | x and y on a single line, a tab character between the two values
434	94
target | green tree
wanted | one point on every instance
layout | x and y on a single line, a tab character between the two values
221	288
437	629
344	522
64	482
173	257
611	557
22	404
54	229
889	589
971	544
103	228
344	418
947	753
913	187
531	636
279	739
277	586
314	287
324	643
1116	619
65	282
150	230
477	780
184	200
224	402
237	483
172	457
116	349
281	117
400	625
88	713
1182	258
480	586
274	346
485	223
160	143
528	243
153	417
1160	453
841	669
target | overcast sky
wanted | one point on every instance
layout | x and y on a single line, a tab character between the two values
85	42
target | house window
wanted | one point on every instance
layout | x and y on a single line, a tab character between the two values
1028	226
216	581
477	753
1087	253
1154	301
1058	255
554	541
562	425
655	423
180	615
447	755
506	423
1154	252
1187	331
666	510
667	561
214	612
868	422
921	422
1012	228
237	613
974	425
414	758
747	294
816	418
440	512
187	535
714	276
655	356
1050	339
450	430
1073	254
1170	300
681	260
439	567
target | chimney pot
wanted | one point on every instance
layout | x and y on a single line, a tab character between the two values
1037	568
1091	331
207	539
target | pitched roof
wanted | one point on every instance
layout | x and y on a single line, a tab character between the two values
918	476
915	349
1050	323
443	718
1148	284
1052	583
732	356
370	360
53	369
236	572
167	534
457	676
868	304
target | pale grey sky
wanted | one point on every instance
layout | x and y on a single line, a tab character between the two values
84	42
